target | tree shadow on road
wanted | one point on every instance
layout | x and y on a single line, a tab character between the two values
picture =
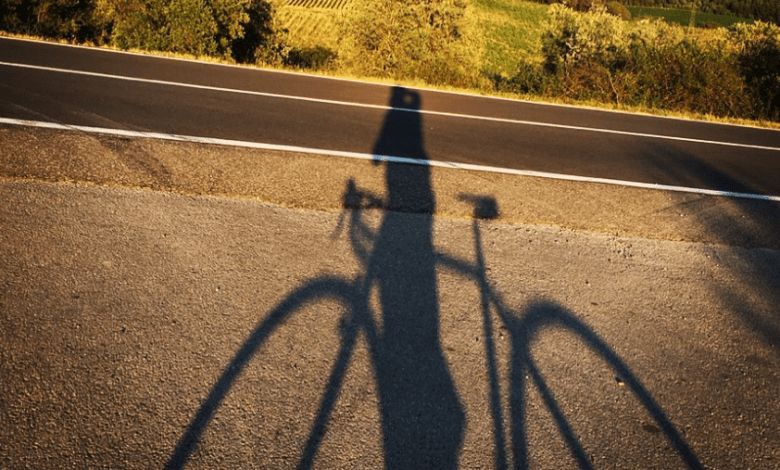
749	226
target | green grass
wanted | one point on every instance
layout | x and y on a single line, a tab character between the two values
683	17
510	31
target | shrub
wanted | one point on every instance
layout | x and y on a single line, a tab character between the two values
758	56
261	40
574	39
529	79
596	56
242	29
409	39
186	26
673	77
580	5
72	20
617	9
310	57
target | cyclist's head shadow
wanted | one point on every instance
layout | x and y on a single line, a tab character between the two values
401	140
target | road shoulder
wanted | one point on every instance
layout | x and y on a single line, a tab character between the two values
314	182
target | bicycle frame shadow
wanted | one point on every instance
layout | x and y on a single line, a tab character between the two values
422	417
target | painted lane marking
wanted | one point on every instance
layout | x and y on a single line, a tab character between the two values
152	56
390	108
381	158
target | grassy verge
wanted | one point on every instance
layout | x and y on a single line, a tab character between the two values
683	17
510	31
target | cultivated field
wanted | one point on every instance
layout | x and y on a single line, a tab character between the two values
313	22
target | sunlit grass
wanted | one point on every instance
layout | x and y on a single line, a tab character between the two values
510	32
683	17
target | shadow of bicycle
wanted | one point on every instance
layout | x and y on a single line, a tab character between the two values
422	416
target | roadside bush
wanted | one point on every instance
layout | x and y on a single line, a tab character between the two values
242	29
71	20
758	56
261	40
409	39
617	9
676	77
184	26
310	57
529	79
596	56
575	39
580	5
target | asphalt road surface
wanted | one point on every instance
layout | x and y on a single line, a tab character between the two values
45	82
143	329
182	305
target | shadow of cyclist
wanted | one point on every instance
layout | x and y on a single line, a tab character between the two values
422	417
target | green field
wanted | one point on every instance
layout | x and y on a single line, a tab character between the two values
510	31
683	17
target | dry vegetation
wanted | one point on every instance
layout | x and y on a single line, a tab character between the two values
490	46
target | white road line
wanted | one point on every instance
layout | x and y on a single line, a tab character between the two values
382	158
151	55
389	108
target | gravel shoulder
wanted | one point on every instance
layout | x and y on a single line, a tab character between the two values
313	182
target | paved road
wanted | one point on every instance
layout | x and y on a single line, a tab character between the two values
515	134
143	329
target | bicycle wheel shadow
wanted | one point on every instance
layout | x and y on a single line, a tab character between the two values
423	419
524	329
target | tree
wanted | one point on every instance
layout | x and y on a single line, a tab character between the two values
72	20
241	29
